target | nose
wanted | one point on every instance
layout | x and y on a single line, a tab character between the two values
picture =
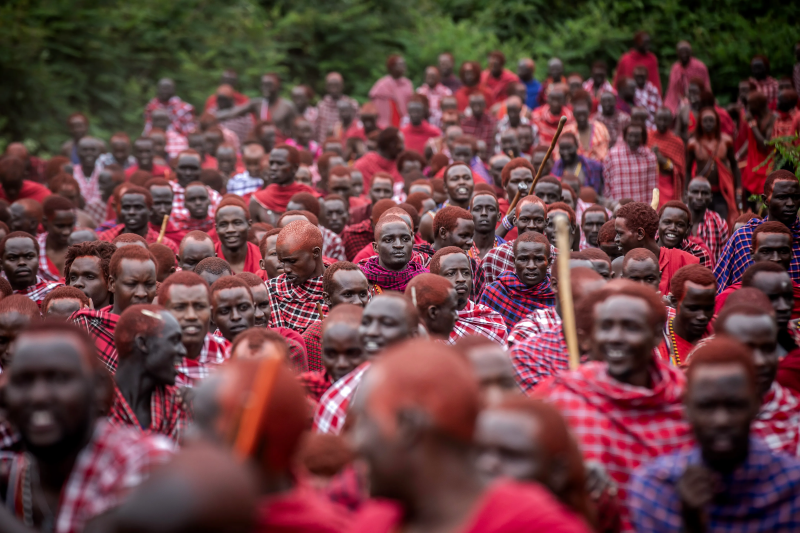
259	313
372	329
782	304
775	256
235	315
141	291
190	314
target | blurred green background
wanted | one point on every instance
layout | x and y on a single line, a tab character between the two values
104	57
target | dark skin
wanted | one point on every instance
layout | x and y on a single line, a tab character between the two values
134	213
149	366
188	169
550	229
86	275
629	238
232	224
592	222
775	247
281	172
337	216
232	311
300	261
462	153
341	185
342	350
192	309
262	311
783	201
394	247
532	217
62	308
673	227
385	322
193	251
440	319
380	189
550	193
698	198
694	312
494	371
133	283
778	288
496	164
162	204
197	201
760	334
646	272
59	228
531	260
457	268
708	123
485	213
349	286
22	219
461	236
270	263
21	262
11	323
143	151
568	150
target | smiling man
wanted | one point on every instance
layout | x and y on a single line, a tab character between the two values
232	307
633	395
232	223
134	213
674	226
66	438
453	263
459	184
148	341
20	261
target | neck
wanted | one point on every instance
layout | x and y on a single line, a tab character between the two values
53	243
346	123
681	331
653	246
21	286
457	203
117	308
142	232
148	166
570	162
640	379
236	256
416	124
87	170
785	340
730	465
54	472
133	382
193	349
698	214
387	267
384	155
483	240
290	182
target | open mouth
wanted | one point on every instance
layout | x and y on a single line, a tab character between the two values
191	330
372	346
462	191
615	355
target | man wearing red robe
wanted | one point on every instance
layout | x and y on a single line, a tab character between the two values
639	55
270	202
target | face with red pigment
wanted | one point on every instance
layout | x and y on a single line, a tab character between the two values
299	259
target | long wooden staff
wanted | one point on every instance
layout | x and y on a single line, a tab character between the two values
163	229
565	292
656	199
561	124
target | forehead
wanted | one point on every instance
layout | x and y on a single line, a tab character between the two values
674	212
395	228
334	205
771	282
349	277
136	267
188	160
233	294
623	306
231	211
186	293
196	246
454	260
531	209
595	216
381	307
483	199
700	184
86	262
749	325
459	170
13	320
133	198
49	351
279	154
196	190
380	180
530	248
774	239
785	186
641	265
20	244
544	185
733	375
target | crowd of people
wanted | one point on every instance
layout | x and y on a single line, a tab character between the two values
313	315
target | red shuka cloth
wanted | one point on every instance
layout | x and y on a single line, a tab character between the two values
250	261
300	510
672	147
753	180
669	261
416	136
373	162
633	58
276	197
30	189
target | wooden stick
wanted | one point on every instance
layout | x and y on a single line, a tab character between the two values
565	292
656	199
513	203
319	311
163	229
561	124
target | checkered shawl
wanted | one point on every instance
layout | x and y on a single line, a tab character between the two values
315	383
698	249
501	258
650	99
619	425
112	463
216	351
390	280
151	237
762	494
45	272
38	292
477	319
547	123
778	421
735	256
615	124
514	300
242	184
332	409
356	236
713	231
168	415
313	337
89	186
540	357
628	174
332	245
181	115
180	215
100	325
293	306
538	321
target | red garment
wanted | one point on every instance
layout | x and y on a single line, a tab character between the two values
789	371
505	507
633	58
168	414
209	162
753	180
30	189
250	261
723	297
673	148
238	99
669	261
684	349
498	86
159	171
312	336
778	421
172	233
416	136
463	93
300	510
151	237
275	197
679	77
547	123
371	163
477	319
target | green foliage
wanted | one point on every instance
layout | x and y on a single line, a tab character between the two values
785	154
103	57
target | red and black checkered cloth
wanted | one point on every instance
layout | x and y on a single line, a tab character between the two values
168	415
293	306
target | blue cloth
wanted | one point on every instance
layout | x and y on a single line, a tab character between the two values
736	257
243	183
763	494
593	169
532	99
477	167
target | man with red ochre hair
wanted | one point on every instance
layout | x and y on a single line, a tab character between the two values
437	303
161	192
453	226
421	253
516	172
392	268
148	341
19	253
636	226
782	196
269	203
14	186
453	263
331	243
187	296
63	301
59	222
232	224
630	396
134	212
16	313
674	227
86	268
294	295
693	289
437	477
357	236
514	294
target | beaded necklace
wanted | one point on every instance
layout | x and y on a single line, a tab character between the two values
674	356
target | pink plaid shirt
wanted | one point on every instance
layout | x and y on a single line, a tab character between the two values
477	319
90	187
216	351
332	245
332	407
176	143
38	292
45	272
650	99
535	323
180	215
629	174
434	96
713	231
180	113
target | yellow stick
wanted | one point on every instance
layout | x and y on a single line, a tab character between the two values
163	229
549	151
656	199
565	292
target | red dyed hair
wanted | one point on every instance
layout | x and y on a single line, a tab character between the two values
771	226
624	287
380	207
596	254
694	273
55	203
185	278
594	209
132	253
129	238
137	320
530	199
517	162
436	261
431	290
308	201
235	202
327	277
778	175
607	233
749	296
19	303
307	214
303	234
639	215
639	254
417	199
389	219
561	206
293	153
677	204
17	235
448	218
532	236
723	351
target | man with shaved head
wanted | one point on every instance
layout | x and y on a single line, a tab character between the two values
388	319
250	180
546	117
266	205
392	268
526	68
187	171
26	215
59	218
14	184
19	256
232	224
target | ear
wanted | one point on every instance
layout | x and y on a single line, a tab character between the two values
411	425
140	343
640	234
559	474
326	298
261	264
433	312
173	270
111	283
375	247
317	252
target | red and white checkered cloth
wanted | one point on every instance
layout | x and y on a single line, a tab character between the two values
628	174
434	96
540	357
168	415
181	115
540	320
650	99
768	86
778	421
588	86
38	292
328	115
713	231
216	350
180	215
477	319
501	258
90	187
293	306
332	245
332	408
45	272
176	143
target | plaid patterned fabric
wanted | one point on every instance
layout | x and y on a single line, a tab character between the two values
90	187
381	279
540	357
538	321
650	99
151	237
593	171
332	245
762	494
347	488
778	421
619	425
313	338
434	96
713	231
111	464
315	383
477	319
501	258
588	86
475	254
295	307
328	115
96	210
216	350
243	184
176	143
100	325
45	270
38	292
168	415
615	124
356	236
482	129
180	215
699	250
547	123
735	256
630	175
332	408
768	86
514	300
180	113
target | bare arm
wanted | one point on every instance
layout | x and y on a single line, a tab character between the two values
259	214
737	173
689	164
238	111
762	137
